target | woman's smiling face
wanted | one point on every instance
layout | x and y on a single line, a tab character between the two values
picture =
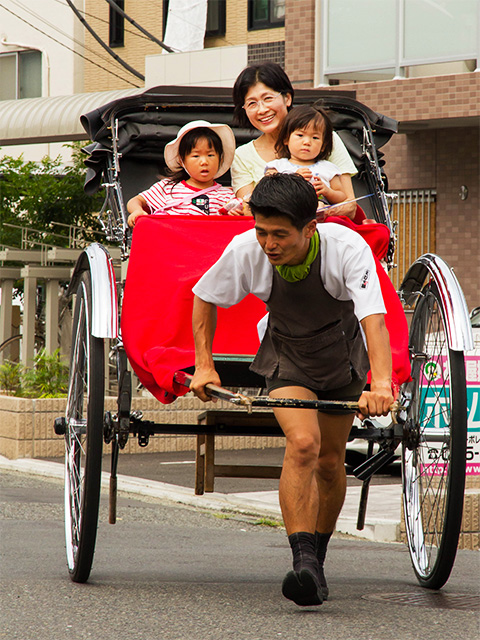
267	116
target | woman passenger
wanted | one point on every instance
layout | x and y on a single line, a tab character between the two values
262	96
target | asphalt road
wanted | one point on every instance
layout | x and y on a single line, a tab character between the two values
166	572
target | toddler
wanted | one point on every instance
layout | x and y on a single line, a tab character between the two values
304	141
200	153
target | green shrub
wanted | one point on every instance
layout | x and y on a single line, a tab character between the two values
48	378
36	195
10	377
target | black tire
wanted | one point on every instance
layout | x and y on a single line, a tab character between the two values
435	438
83	437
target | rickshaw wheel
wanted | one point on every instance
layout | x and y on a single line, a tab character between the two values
433	450
83	437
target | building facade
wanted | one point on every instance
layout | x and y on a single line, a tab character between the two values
415	61
420	66
259	25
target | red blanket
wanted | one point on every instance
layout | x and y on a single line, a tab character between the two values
169	254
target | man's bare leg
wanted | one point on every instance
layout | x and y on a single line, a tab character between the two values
298	493
331	482
330	470
298	489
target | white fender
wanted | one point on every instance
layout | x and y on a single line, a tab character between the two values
104	289
459	330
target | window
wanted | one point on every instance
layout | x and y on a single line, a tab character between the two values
20	75
116	33
216	18
266	14
407	33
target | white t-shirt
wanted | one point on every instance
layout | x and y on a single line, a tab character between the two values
347	269
248	166
166	192
323	168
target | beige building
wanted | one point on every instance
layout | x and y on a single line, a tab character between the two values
228	23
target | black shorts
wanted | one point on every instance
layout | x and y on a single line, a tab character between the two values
349	393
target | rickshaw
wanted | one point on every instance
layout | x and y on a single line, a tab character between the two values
429	423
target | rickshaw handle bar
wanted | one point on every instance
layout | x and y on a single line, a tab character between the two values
263	401
239	399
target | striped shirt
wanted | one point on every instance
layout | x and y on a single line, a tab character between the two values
166	192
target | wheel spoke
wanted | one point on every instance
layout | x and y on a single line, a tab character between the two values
427	452
81	440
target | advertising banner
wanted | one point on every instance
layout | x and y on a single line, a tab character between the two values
435	390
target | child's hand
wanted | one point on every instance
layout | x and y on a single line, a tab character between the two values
132	218
320	187
305	172
233	207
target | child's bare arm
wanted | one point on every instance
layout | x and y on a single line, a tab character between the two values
333	193
136	207
349	209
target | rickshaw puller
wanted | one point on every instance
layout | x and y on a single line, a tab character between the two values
319	283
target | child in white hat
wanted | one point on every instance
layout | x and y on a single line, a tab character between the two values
200	153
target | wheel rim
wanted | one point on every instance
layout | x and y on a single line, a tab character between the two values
75	436
426	457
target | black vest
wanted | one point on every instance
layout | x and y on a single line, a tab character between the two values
311	338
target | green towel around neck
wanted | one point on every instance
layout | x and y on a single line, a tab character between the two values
297	272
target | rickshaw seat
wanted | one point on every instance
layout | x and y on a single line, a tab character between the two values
169	254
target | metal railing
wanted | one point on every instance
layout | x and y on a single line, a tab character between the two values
413	216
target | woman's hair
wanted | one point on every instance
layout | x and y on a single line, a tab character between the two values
271	74
285	194
300	118
188	141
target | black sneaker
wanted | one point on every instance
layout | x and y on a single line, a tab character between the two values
303	588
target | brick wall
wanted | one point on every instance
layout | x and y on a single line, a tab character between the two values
300	37
418	100
435	156
411	160
26	427
458	222
267	51
445	159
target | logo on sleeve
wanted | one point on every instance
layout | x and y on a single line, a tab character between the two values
365	279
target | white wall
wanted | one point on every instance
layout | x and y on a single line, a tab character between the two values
214	67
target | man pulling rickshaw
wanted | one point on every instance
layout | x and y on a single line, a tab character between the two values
323	296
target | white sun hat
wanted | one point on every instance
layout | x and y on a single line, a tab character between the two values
223	131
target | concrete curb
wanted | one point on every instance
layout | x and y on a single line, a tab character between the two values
259	504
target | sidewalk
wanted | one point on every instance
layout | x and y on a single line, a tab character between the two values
382	523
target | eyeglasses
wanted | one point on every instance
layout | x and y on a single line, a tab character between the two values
254	105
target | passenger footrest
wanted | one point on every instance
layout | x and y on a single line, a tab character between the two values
374	464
